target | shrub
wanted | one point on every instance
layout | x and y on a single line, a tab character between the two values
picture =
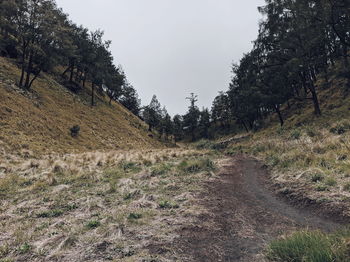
74	131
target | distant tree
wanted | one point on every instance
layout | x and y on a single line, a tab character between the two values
152	113
220	111
192	117
130	99
166	125
204	123
178	129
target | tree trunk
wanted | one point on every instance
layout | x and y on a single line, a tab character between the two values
315	99
245	126
65	71
35	77
278	111
24	48
92	94
84	80
29	71
71	73
345	56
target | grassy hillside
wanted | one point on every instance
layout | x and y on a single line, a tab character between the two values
309	156
39	121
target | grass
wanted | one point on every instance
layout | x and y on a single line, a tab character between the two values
93	224
98	201
196	165
308	158
40	122
310	246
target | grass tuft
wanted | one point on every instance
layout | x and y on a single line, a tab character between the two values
307	246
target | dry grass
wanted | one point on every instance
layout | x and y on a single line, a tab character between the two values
38	122
309	156
98	206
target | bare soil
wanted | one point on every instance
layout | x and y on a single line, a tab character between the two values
243	215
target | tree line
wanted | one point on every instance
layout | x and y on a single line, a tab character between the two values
41	38
298	43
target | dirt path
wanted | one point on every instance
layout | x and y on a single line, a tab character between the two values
243	215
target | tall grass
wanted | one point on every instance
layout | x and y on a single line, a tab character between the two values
311	246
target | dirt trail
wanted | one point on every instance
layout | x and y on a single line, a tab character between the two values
243	216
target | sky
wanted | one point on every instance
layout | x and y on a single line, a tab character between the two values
172	48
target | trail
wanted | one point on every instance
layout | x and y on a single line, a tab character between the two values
243	215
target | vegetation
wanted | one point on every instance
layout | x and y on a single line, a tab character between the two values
310	246
80	213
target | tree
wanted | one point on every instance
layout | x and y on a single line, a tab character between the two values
192	117
178	129
204	123
152	113
220	111
130	99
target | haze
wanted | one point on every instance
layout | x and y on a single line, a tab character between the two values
173	47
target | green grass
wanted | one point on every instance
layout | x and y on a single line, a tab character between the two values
307	246
93	224
50	213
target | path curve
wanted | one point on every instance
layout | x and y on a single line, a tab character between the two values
242	216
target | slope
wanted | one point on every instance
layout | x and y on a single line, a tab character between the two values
38	121
309	156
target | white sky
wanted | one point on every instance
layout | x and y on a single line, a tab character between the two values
173	47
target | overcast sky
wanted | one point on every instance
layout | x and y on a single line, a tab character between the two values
173	47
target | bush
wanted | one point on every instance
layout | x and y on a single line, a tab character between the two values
74	131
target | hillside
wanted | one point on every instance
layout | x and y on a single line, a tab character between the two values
308	156
39	121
